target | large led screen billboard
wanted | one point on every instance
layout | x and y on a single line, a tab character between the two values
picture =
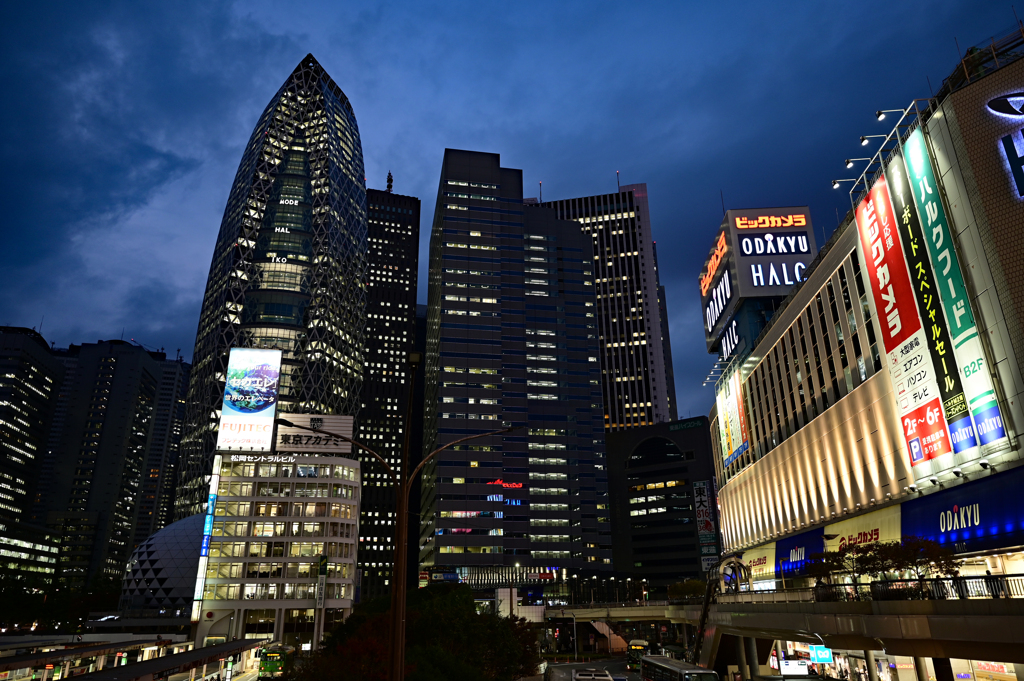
250	400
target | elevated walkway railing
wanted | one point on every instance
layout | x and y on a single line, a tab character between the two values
889	590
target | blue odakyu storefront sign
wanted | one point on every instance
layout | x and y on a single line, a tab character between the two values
984	514
793	553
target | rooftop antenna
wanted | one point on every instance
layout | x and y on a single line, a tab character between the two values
540	183
722	194
391	181
931	92
41	324
617	185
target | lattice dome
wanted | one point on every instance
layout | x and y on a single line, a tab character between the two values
161	573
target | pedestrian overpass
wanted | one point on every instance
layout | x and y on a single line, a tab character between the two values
980	626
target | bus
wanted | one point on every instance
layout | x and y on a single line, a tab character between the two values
661	668
637	649
275	659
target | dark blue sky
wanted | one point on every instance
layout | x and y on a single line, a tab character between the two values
124	123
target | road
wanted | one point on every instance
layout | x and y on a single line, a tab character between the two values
617	667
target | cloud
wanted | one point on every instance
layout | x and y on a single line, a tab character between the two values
125	123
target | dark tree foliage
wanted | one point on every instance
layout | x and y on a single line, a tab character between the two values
33	599
445	639
917	555
691	588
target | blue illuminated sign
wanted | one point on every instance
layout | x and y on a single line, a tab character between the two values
204	550
793	553
979	515
821	654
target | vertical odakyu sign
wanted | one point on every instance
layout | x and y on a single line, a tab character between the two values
250	400
906	346
940	345
967	343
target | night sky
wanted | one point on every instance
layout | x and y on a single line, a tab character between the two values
124	124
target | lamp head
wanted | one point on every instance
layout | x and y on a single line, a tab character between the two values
880	115
849	163
984	464
835	184
934	480
863	141
957	472
912	488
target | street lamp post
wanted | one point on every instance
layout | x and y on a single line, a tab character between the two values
403	484
575	643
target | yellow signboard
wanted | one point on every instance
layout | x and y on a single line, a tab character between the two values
881	525
761	561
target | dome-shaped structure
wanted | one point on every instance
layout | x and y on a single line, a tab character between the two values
161	573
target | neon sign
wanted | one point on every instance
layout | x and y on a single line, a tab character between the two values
762	221
716	259
506	485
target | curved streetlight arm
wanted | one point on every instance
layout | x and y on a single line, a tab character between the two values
286	422
428	457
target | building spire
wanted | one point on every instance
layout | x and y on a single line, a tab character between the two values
391	181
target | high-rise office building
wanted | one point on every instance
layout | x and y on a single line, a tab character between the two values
91	497
393	236
160	475
29	381
288	269
664	523
635	366
511	342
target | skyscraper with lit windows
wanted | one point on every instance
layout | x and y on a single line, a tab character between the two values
288	268
394	237
636	354
511	342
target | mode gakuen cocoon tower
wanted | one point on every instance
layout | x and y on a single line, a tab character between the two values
289	267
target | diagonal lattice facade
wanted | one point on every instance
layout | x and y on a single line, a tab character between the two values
289	268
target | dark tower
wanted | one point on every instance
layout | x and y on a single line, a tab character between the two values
288	269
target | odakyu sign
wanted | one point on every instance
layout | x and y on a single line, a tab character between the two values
250	400
979	515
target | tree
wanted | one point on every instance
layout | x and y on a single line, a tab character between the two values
691	588
446	639
856	560
924	557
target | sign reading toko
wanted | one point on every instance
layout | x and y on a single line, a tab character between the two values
250	400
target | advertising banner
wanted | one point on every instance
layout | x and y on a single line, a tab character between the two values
940	345
706	532
906	345
761	561
732	421
882	525
250	400
313	437
967	348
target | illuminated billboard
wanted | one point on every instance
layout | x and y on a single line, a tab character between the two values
907	356
732	420
933	318
960	319
758	253
250	400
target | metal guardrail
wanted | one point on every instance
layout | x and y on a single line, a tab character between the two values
952	588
